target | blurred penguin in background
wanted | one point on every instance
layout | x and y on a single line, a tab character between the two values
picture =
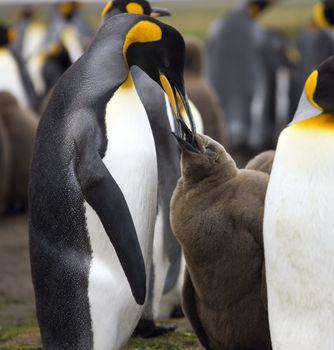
69	27
14	76
262	162
46	67
31	33
236	69
4	166
18	128
315	43
280	59
217	216
202	93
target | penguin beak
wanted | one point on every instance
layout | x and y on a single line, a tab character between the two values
180	105
186	139
158	12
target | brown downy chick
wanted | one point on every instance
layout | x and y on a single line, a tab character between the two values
217	214
262	162
202	94
21	126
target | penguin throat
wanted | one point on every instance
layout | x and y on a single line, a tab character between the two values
324	122
128	84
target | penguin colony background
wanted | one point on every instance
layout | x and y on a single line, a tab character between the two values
166	177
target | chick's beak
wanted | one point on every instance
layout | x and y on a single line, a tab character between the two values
180	106
158	12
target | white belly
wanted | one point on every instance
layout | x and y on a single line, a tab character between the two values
34	38
10	78
71	40
131	159
299	242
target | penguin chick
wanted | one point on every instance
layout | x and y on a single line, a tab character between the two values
202	93
262	162
21	126
217	214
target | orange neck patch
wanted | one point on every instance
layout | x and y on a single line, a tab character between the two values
324	122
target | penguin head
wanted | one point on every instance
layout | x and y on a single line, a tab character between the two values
255	7
202	157
159	50
317	97
68	9
323	14
140	7
25	13
7	35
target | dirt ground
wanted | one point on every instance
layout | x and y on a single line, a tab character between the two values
16	291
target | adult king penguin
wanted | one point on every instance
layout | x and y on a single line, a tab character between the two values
14	77
94	186
140	7
298	223
166	250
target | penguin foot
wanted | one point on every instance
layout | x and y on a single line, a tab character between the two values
177	312
148	329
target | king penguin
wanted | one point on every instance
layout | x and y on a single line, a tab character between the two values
14	77
217	216
31	33
69	27
166	250
298	222
236	71
94	184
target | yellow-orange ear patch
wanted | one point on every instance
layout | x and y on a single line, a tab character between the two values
142	32
106	9
133	7
319	17
310	87
12	35
66	8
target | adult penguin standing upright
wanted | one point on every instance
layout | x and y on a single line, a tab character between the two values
31	33
69	27
315	43
298	222
235	69
166	250
94	183
14	77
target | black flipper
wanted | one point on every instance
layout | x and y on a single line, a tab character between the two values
190	309
168	154
106	198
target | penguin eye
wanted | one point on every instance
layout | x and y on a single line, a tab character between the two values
165	62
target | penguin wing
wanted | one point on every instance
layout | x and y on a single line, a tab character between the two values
168	154
190	309
103	194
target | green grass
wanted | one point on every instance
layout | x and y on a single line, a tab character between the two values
20	337
27	337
